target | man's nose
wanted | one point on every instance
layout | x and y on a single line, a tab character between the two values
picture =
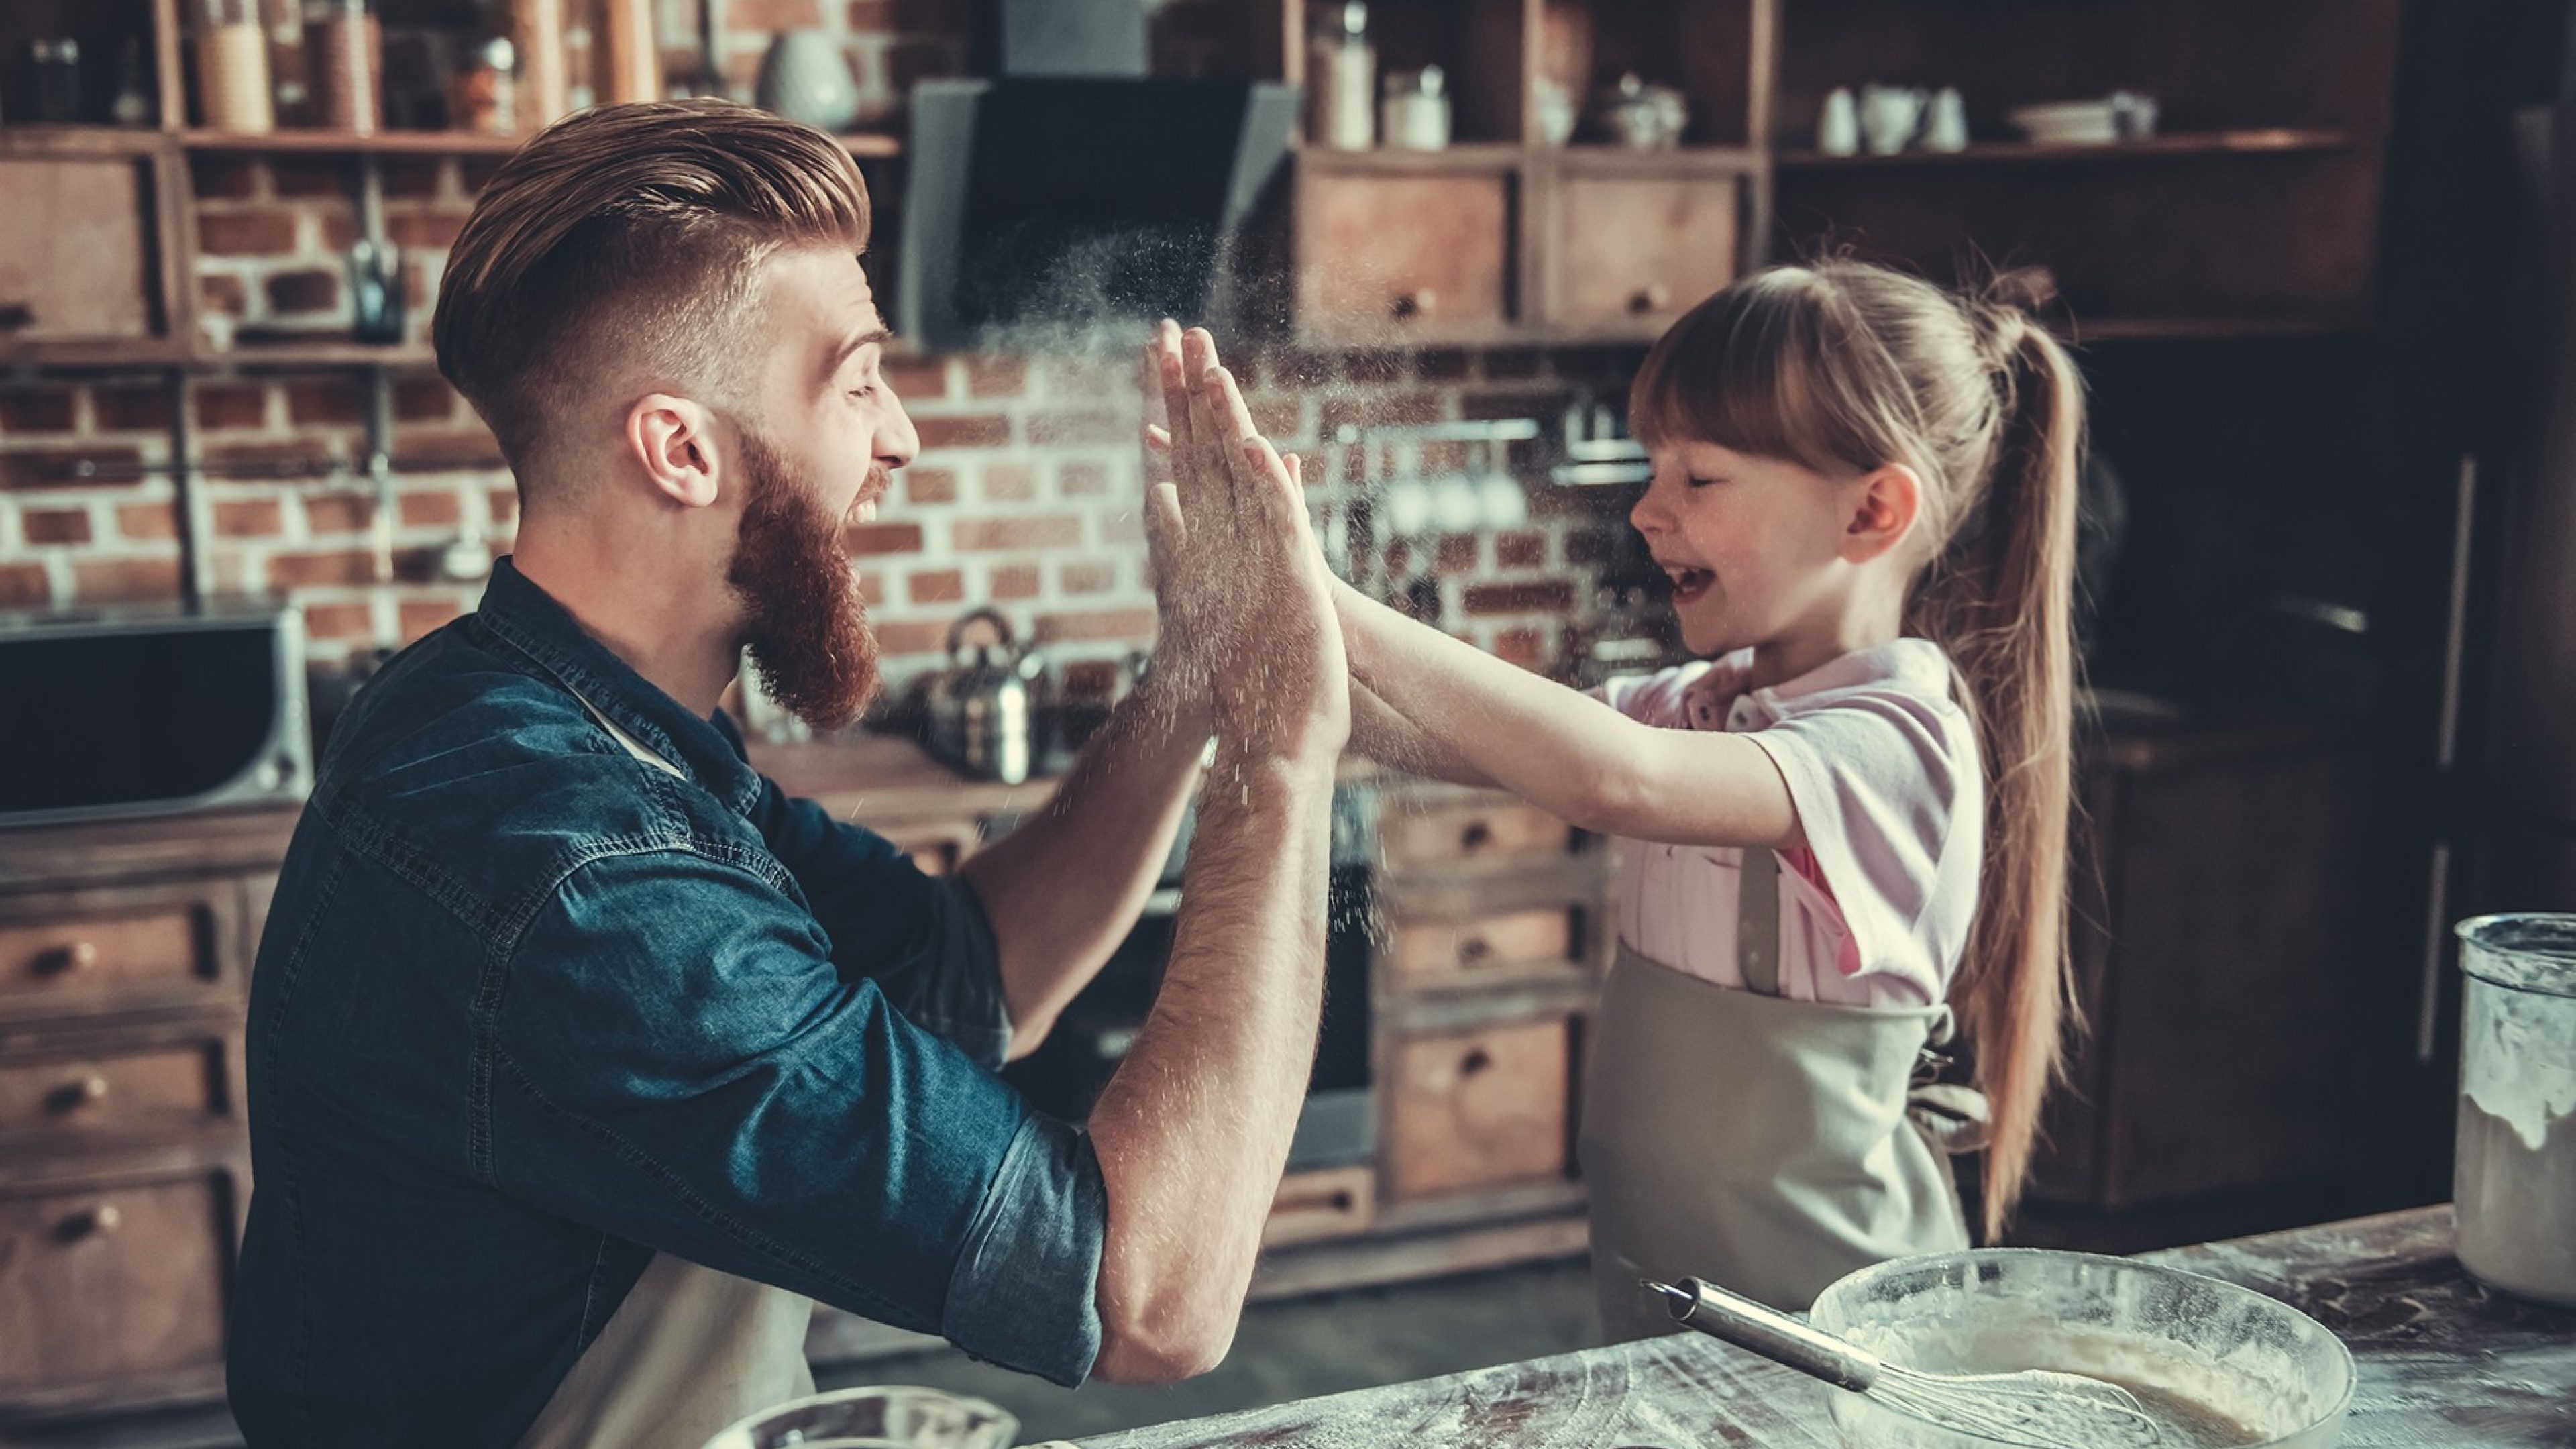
896	441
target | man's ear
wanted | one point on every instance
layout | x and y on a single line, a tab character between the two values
674	441
1884	503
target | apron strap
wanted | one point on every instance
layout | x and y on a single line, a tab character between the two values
1757	921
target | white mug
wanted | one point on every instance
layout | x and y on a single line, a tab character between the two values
1838	125
1890	115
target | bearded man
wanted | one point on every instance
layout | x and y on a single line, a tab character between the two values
581	1059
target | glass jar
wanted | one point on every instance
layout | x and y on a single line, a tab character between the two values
484	96
2514	1174
348	73
232	67
1345	79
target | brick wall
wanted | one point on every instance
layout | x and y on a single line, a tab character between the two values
1026	495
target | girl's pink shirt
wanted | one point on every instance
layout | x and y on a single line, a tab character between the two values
1882	765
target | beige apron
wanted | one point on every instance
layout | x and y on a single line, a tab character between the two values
689	1350
1766	1144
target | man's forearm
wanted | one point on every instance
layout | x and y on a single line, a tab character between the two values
1193	1130
1064	889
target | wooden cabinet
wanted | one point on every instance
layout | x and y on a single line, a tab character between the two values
1389	256
124	1156
113	1283
91	247
1479	1109
2222	886
1630	247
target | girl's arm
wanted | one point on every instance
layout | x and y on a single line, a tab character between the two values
1379	733
1560	750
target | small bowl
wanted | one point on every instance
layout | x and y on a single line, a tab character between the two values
2254	1360
883	1415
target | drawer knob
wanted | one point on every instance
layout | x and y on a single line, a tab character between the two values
97	1222
1475	1061
68	960
1473	950
1653	298
1421	303
1476	836
72	1096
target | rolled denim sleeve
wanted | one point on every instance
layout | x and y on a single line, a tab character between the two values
674	1058
925	941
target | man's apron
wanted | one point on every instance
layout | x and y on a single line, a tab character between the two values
689	1350
1762	1143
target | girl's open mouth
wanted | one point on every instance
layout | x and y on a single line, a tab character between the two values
1689	583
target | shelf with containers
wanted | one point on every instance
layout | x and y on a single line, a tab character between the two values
2253	211
1529	226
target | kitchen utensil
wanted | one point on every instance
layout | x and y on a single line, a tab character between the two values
2036	1408
484	97
2215	1364
350	70
1564	72
2067	123
1947	128
982	718
378	300
806	77
1557	112
1642	117
232	68
1890	115
634	70
2133	115
56	67
537	31
877	1417
1414	116
2514	1174
1838	124
1456	506
1345	71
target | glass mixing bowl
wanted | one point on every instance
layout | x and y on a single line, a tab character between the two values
887	1417
2247	1359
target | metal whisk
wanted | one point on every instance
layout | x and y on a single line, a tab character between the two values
2036	1408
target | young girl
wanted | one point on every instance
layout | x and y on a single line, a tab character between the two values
1852	816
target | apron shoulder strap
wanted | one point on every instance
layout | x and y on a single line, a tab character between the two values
1757	921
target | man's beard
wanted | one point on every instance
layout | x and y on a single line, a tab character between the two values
803	618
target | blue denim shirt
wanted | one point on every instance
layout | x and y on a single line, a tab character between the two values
529	1010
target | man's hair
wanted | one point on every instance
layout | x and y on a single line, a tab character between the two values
626	240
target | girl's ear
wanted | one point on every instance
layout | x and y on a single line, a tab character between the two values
1884	502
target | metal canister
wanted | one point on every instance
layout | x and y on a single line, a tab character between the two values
2514	1175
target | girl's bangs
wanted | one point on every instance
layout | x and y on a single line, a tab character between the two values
1740	371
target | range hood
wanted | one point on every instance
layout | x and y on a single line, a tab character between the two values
1064	214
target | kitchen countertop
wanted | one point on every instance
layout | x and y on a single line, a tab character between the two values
2443	1362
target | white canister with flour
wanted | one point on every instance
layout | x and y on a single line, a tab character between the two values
2514	1175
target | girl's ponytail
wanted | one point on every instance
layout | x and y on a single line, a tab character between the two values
2005	612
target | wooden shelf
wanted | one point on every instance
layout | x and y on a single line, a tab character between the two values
2213	328
2006	153
319	353
427	143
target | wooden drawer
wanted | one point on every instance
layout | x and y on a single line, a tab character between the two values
162	1082
1635	252
1479	1109
80	952
1332	1202
1495	829
112	1294
1429	952
1388	259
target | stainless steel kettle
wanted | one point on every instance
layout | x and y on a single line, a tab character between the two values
982	710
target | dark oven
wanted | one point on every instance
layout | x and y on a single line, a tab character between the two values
1065	1074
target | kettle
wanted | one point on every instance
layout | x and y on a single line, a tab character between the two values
982	715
